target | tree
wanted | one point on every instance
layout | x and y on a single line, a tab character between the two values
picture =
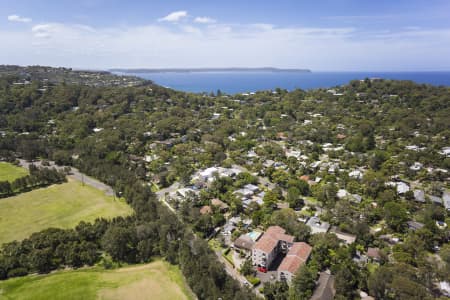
303	284
120	243
270	199
279	290
247	268
287	219
398	281
326	193
293	197
395	215
5	188
323	245
377	159
41	260
346	280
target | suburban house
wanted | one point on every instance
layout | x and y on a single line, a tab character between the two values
317	226
182	193
374	254
357	174
419	196
400	186
297	255
344	194
223	207
435	199
206	209
208	175
273	242
413	225
244	243
446	200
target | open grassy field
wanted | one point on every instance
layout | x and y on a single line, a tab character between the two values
157	280
62	206
10	172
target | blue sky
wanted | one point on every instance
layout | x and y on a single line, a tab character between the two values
340	35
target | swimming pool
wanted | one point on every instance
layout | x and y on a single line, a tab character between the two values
254	235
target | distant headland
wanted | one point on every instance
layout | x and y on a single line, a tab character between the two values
201	70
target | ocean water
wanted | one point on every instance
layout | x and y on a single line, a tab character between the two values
240	82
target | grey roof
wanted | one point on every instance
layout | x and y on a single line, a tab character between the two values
317	226
446	200
251	187
325	289
356	198
414	225
244	242
435	199
419	195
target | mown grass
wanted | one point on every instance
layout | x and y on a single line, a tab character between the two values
61	206
10	172
157	280
214	244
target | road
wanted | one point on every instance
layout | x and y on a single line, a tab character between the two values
235	274
74	174
161	194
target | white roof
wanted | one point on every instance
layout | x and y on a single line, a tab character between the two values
317	226
341	193
251	187
208	172
400	186
445	286
355	174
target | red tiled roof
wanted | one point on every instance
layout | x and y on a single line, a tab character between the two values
271	237
205	210
217	202
297	255
373	252
266	243
304	178
275	230
286	237
301	250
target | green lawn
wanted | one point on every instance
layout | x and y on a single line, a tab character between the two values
312	200
371	267
10	172
63	206
157	280
214	244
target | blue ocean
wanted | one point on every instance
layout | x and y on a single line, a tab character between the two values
240	82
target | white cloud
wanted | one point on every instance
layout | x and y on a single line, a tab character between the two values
16	18
204	20
175	16
227	45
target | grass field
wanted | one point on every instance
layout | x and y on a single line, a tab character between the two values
62	206
10	172
157	280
